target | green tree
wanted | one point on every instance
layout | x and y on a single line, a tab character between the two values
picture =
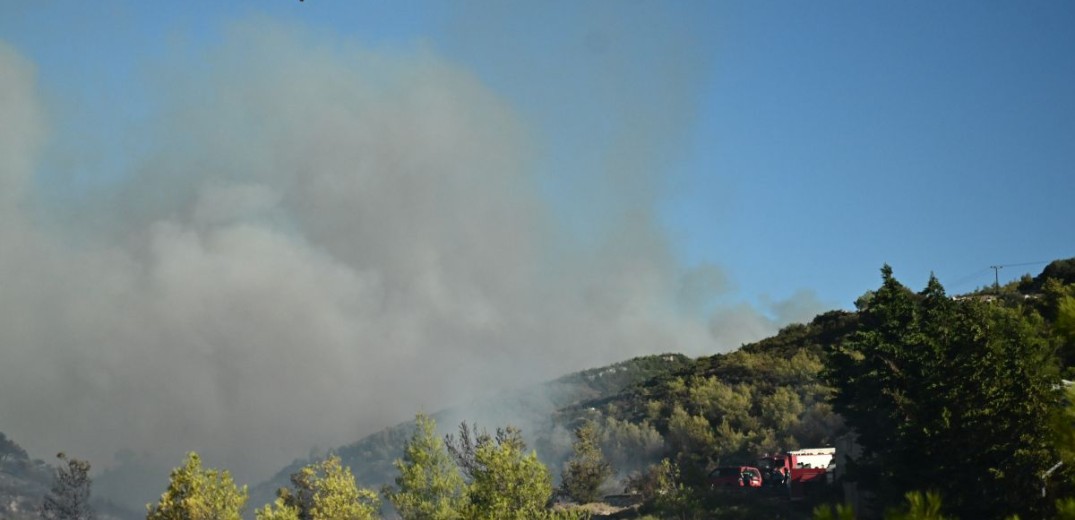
1062	482
506	482
715	400
693	437
195	493
955	396
1064	328
629	446
429	485
1065	319
663	490
324	490
1060	271
69	498
587	469
278	510
781	409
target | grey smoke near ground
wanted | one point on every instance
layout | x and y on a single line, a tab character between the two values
322	241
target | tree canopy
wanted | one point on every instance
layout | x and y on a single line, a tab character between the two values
323	490
587	469
196	493
505	482
429	485
946	395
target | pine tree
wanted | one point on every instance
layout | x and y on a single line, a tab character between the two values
278	510
953	396
324	490
195	493
587	469
506	483
69	498
429	486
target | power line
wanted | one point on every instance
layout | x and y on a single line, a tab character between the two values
1024	263
968	278
996	272
962	281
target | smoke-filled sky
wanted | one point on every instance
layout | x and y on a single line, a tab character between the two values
252	228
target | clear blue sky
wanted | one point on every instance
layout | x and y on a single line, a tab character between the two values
819	140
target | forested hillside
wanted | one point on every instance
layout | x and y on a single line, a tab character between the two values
531	409
956	402
766	397
915	375
25	483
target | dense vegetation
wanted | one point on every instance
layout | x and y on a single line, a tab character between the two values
532	408
954	396
957	405
764	398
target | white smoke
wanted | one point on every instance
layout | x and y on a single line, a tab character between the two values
322	241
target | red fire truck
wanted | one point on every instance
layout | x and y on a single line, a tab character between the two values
799	470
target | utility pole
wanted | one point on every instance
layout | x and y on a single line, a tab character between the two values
996	278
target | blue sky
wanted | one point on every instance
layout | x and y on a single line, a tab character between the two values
817	140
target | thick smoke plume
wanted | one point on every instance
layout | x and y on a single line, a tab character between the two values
322	241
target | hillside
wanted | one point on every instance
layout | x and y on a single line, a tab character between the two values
531	408
766	396
24	482
768	391
769	396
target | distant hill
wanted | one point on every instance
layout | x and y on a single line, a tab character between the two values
729	408
531	408
24	482
634	401
790	358
1062	271
766	394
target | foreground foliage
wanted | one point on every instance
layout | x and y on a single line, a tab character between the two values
587	470
663	490
956	396
196	493
429	485
323	491
504	481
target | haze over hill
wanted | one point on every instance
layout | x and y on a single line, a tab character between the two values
776	394
318	240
